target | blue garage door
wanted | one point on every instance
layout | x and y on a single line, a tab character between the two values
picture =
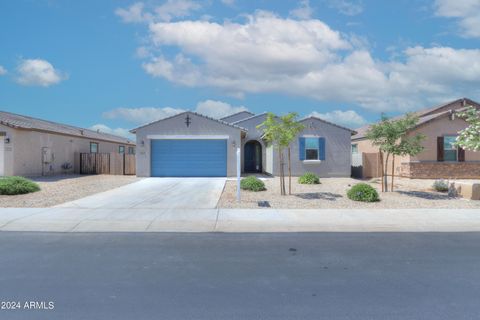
189	158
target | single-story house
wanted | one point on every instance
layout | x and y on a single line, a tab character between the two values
35	147
193	145
439	159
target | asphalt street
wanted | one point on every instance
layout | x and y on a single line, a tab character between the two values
240	276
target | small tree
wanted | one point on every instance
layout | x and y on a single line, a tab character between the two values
469	138
272	133
280	132
390	136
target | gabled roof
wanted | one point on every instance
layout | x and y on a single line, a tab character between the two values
249	118
190	112
330	123
425	115
17	121
235	114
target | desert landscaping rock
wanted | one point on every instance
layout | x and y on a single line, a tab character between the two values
59	189
331	194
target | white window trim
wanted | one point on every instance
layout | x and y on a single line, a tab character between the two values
311	161
187	137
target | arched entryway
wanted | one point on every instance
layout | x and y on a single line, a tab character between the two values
252	153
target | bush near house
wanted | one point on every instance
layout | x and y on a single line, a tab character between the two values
252	183
363	192
17	185
309	178
440	185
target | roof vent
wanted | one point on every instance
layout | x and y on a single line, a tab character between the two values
81	132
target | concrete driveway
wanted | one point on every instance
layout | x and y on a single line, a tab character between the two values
157	193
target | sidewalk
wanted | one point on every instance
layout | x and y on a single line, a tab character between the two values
238	220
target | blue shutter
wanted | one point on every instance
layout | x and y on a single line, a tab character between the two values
321	148
301	148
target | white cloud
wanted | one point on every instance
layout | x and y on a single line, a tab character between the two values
38	72
347	7
115	131
270	54
304	11
212	108
141	115
217	109
2	71
167	11
466	11
134	14
348	118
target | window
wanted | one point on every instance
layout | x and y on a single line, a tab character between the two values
131	150
121	149
311	148
93	147
354	148
449	149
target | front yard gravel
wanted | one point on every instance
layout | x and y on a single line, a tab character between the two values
59	189
332	194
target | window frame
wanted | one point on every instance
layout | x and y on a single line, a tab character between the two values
317	149
449	150
96	144
356	148
131	150
120	149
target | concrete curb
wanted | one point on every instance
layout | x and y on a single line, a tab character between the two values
238	220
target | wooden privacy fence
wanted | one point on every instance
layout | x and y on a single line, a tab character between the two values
107	163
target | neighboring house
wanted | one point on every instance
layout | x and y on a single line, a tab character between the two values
34	147
190	144
439	159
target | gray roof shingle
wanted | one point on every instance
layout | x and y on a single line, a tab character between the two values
29	123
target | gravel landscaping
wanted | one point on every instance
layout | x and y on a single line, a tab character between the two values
332	193
59	189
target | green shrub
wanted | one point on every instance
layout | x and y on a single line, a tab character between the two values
17	185
309	178
440	185
363	192
252	183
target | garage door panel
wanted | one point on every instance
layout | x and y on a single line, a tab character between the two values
189	158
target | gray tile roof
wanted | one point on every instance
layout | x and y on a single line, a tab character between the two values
425	115
191	112
235	114
330	123
28	123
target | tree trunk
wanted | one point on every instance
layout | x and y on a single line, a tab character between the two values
280	168
282	173
289	173
385	176
382	171
393	169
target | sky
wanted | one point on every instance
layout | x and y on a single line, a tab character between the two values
114	65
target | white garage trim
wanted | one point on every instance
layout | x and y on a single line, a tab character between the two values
187	137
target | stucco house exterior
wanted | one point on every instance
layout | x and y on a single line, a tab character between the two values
35	147
190	144
439	159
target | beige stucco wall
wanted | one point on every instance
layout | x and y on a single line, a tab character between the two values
176	126
23	156
441	127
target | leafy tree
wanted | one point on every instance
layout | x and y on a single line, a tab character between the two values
391	137
281	132
469	138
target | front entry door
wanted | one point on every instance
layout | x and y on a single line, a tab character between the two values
253	157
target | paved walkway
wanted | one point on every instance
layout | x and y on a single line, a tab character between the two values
237	220
157	193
